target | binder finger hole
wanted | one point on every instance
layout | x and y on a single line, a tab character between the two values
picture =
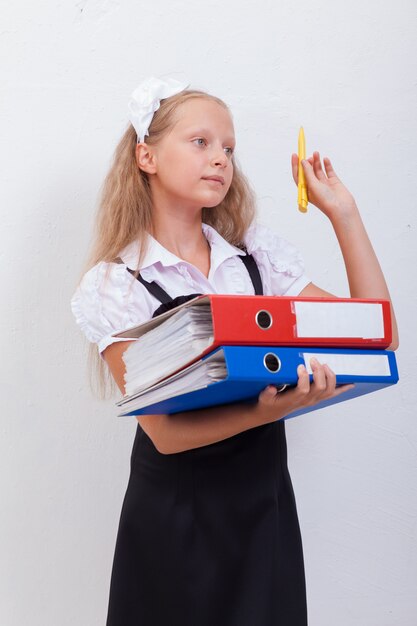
263	319
272	362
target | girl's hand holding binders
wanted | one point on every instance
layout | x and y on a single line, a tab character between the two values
324	189
273	405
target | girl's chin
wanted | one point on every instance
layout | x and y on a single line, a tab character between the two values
214	199
211	205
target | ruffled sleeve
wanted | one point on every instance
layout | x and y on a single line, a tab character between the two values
279	261
102	304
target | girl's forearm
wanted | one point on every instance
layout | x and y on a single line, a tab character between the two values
193	429
365	276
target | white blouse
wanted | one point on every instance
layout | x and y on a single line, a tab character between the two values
109	299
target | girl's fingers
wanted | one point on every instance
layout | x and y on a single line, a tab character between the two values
294	167
319	375
329	168
341	389
324	381
303	384
309	172
331	378
269	394
315	162
266	395
318	170
305	394
331	389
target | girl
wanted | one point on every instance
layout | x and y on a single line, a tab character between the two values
208	534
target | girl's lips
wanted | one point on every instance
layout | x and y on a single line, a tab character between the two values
215	179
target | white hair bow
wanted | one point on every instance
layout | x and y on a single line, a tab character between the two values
146	99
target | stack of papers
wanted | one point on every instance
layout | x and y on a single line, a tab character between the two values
194	377
158	353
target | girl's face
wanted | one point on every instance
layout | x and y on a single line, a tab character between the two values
199	146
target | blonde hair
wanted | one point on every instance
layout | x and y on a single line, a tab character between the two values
125	207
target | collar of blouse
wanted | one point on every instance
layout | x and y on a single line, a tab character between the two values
156	253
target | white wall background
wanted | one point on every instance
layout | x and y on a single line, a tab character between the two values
347	73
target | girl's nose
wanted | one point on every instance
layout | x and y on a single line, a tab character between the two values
220	157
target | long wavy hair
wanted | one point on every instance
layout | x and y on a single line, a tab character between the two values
124	211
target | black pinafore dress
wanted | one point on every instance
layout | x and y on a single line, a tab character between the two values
209	536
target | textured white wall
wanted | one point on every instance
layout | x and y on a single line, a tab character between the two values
347	73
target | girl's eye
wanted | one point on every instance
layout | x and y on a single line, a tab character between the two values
229	151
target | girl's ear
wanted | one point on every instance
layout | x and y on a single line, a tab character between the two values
145	158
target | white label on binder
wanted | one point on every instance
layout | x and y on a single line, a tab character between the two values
339	319
351	364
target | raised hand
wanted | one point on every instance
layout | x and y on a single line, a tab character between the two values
324	189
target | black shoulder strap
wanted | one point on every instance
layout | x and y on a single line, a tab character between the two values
161	295
153	288
254	273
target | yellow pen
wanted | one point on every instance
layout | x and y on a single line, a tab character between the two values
302	187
